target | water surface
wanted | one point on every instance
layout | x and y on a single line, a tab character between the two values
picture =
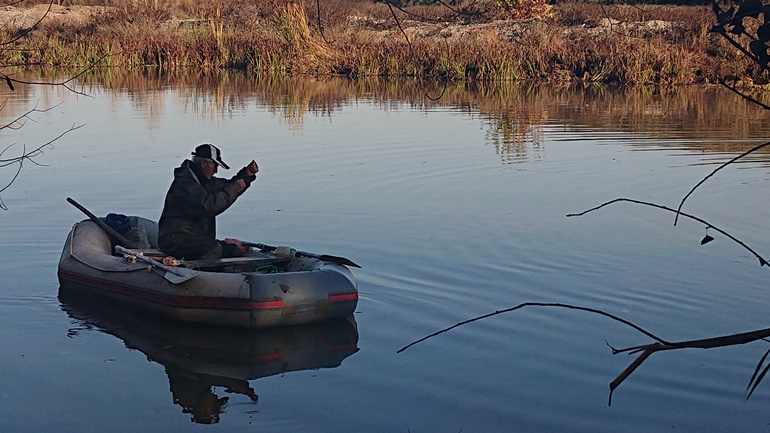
455	208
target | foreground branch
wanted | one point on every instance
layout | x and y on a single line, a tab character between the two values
646	349
537	304
28	156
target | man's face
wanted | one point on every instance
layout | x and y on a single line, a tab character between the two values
209	168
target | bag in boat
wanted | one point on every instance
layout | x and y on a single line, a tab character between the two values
128	227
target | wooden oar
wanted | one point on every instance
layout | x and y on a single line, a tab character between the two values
109	230
324	257
173	275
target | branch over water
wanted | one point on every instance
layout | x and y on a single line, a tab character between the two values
645	350
762	260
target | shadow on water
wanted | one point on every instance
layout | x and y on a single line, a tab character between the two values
200	359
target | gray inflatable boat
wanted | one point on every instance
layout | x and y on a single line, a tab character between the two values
260	290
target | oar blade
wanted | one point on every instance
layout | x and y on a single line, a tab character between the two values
181	276
338	260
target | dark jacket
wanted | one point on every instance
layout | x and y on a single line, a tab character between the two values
187	226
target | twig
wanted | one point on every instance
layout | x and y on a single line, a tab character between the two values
412	53
457	12
739	47
754	149
537	304
757	376
23	32
744	96
64	83
320	26
762	260
398	23
29	157
446	80
21	120
706	343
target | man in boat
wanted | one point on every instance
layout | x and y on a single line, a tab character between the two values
187	226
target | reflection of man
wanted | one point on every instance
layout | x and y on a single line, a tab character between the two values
187	226
193	392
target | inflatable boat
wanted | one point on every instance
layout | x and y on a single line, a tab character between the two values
259	290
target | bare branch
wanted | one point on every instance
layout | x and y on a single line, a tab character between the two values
23	32
457	12
320	26
646	350
742	95
28	156
720	30
762	260
398	23
64	83
537	304
752	150
21	120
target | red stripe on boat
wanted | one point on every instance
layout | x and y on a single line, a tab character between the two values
342	347
176	301
343	297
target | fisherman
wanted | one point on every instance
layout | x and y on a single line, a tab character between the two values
187	227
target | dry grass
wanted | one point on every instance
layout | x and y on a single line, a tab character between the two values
667	45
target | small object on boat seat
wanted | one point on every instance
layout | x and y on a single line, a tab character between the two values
284	251
170	261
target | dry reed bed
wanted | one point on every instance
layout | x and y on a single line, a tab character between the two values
583	42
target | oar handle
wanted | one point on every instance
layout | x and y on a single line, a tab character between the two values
297	253
286	252
259	245
109	230
146	259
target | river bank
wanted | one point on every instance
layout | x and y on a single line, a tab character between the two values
661	45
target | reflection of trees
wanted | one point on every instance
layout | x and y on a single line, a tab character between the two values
516	136
202	361
514	112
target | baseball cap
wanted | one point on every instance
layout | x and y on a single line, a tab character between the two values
211	152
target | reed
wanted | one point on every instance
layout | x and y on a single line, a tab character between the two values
580	42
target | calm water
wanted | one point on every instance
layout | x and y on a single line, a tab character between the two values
454	208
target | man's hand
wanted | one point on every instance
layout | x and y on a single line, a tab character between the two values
252	168
238	244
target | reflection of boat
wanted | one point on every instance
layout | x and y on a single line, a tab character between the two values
261	291
198	358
